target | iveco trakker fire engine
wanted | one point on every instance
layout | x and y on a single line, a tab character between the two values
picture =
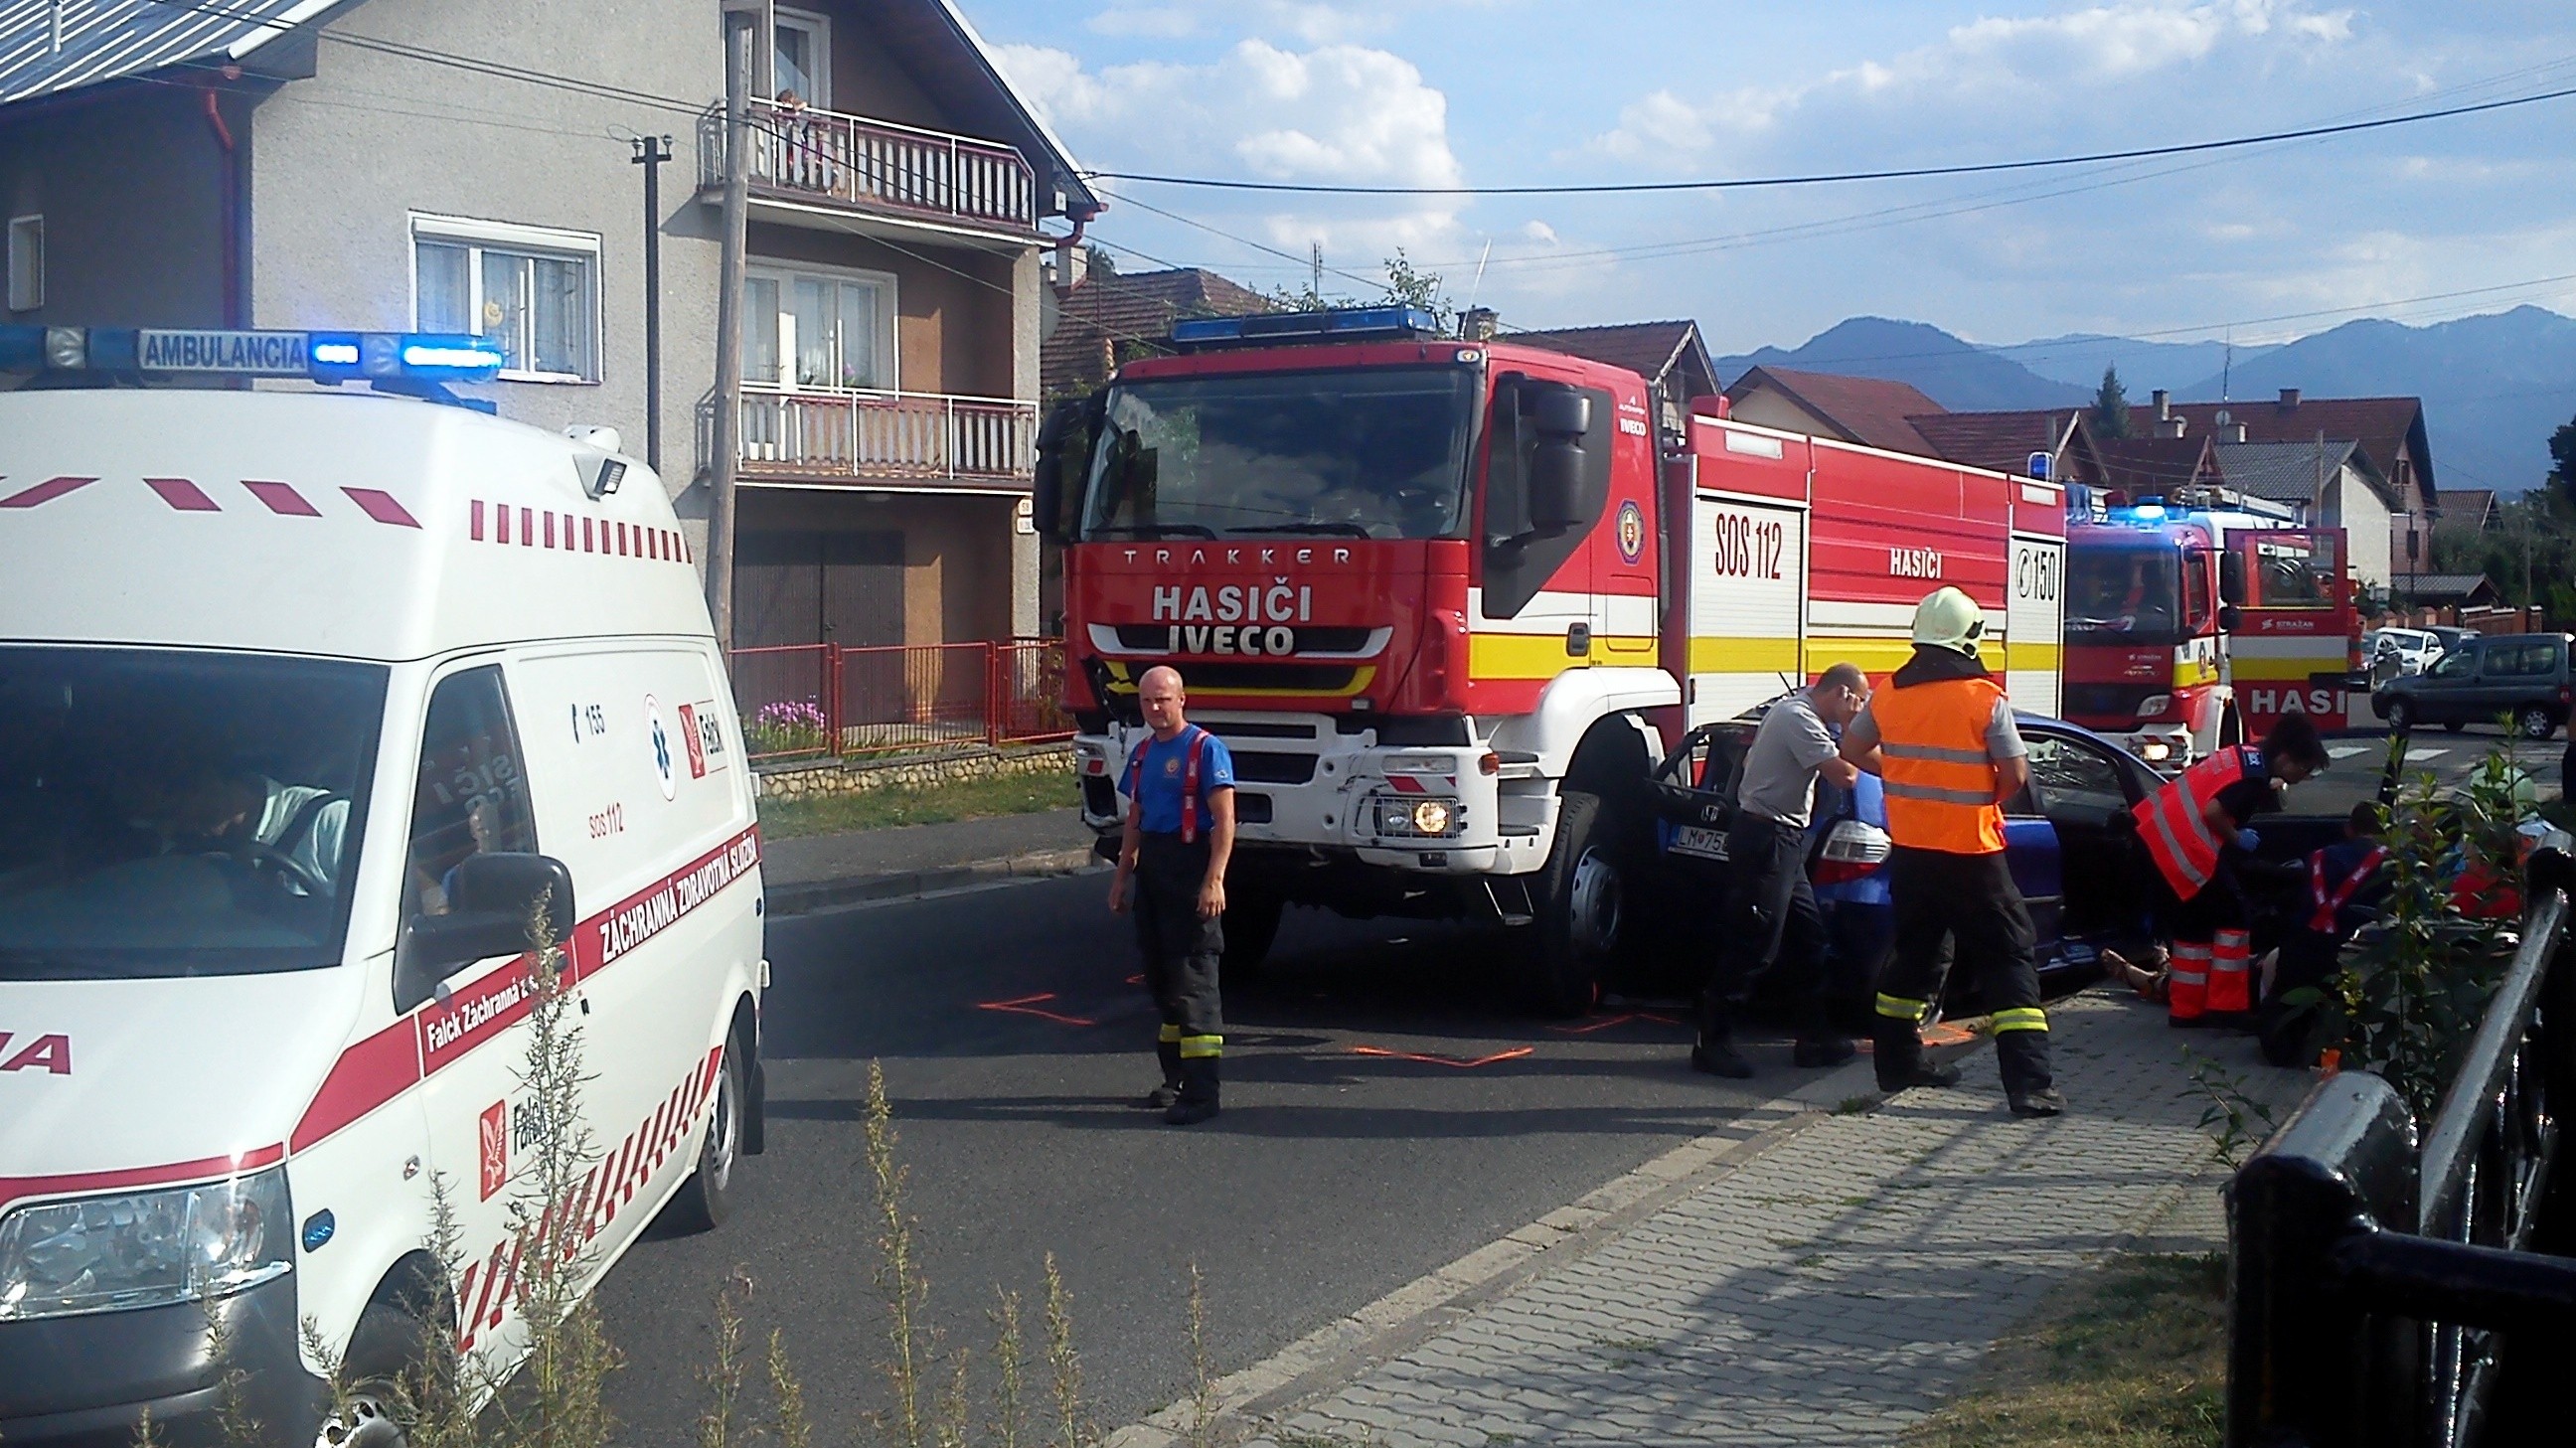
1446	600
2197	620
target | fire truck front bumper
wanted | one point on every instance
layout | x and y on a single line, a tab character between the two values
1303	783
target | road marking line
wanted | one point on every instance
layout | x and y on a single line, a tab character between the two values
1604	1023
1514	1054
1027	1006
2345	751
2413	755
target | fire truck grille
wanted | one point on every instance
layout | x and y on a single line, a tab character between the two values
2108	701
1219	678
1251	768
1311	638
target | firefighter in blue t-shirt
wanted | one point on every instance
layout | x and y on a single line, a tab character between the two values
1178	837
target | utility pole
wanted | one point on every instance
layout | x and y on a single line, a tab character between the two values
650	153
742	21
1315	271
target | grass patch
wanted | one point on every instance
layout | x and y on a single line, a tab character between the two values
2132	1356
927	804
1854	1105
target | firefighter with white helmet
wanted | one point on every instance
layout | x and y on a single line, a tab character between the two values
1941	738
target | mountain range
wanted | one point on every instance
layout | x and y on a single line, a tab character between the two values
2494	386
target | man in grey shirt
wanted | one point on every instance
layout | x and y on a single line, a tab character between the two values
1770	916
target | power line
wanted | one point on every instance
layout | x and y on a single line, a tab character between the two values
1822	178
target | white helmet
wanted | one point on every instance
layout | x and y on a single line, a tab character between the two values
1949	619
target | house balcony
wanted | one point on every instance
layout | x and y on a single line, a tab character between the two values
901	440
809	165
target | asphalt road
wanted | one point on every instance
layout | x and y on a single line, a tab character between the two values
1386	1112
2359	764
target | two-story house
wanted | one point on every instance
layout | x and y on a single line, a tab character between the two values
469	166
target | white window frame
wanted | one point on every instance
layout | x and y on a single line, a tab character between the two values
818	26
785	277
26	247
581	246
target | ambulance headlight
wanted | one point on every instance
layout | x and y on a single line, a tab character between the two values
145	1249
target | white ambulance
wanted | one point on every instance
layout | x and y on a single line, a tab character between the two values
305	698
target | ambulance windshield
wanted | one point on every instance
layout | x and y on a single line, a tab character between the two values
2123	594
168	813
1361	453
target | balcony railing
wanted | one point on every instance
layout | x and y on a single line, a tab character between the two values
810	155
836	434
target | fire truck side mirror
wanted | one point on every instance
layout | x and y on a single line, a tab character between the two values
2230	618
1047	488
1560	416
2231	578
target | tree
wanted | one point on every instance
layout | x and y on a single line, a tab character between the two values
1411	286
2562	457
2111	406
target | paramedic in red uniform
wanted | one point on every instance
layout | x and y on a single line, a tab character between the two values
2190	833
1941	738
1171	870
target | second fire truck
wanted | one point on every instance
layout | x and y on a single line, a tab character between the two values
1446	601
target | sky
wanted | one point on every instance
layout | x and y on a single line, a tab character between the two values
2257	245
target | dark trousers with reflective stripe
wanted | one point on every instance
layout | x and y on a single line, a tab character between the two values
1180	949
1771	923
1970	900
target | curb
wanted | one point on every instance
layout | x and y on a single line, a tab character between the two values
1334	1353
792	900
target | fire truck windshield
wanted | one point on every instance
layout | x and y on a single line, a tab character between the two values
2123	594
1362	453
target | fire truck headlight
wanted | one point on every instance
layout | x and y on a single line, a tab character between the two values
1431	817
2154	704
145	1249
2155	751
1415	817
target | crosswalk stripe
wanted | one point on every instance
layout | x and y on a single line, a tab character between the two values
2414	756
2346	751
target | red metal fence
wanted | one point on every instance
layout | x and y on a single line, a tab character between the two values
825	701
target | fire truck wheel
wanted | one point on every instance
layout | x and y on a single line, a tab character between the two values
1580	897
708	1196
2454	726
1251	923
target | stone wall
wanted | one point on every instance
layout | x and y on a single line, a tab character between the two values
803	779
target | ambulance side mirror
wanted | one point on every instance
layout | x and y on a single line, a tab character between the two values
2231	578
491	900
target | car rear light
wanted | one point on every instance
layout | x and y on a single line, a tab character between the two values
2562	693
1853	849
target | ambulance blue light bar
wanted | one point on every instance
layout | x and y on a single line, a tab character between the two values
328	357
1340	324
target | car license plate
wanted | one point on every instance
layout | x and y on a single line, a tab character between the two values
1706	843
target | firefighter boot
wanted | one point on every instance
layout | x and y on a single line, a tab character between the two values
1897	1053
1714	1053
2021	1056
1198	1095
1162	1097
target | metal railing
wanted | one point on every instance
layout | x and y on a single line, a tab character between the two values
809	155
854	434
2373	1284
817	701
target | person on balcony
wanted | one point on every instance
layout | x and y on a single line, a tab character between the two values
801	158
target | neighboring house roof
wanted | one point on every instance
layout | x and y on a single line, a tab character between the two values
2449	587
2145	466
2288	472
1999	442
2386	427
1108	308
112	40
2474	506
1871	411
1652	350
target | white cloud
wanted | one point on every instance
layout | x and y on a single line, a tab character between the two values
1540	232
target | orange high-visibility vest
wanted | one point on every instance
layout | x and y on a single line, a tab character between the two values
1940	784
2174	821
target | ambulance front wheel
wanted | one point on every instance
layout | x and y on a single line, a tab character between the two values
708	1196
392	1360
1580	897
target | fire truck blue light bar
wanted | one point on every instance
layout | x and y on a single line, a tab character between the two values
1341	324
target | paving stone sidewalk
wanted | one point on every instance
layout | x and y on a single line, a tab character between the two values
1842	1283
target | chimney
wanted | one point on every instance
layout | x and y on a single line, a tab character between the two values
2289	398
2171	425
2164	403
2229	429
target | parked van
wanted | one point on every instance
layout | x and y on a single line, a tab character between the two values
307	700
2523	678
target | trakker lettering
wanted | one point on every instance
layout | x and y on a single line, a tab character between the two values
49	1054
1914	562
1238	557
1280	602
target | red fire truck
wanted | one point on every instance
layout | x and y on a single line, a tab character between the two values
1447	600
2198	619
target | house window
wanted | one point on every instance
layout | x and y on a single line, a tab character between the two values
26	263
819	330
800	57
532	290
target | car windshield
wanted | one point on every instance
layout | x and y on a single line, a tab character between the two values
1363	453
178	813
2123	593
